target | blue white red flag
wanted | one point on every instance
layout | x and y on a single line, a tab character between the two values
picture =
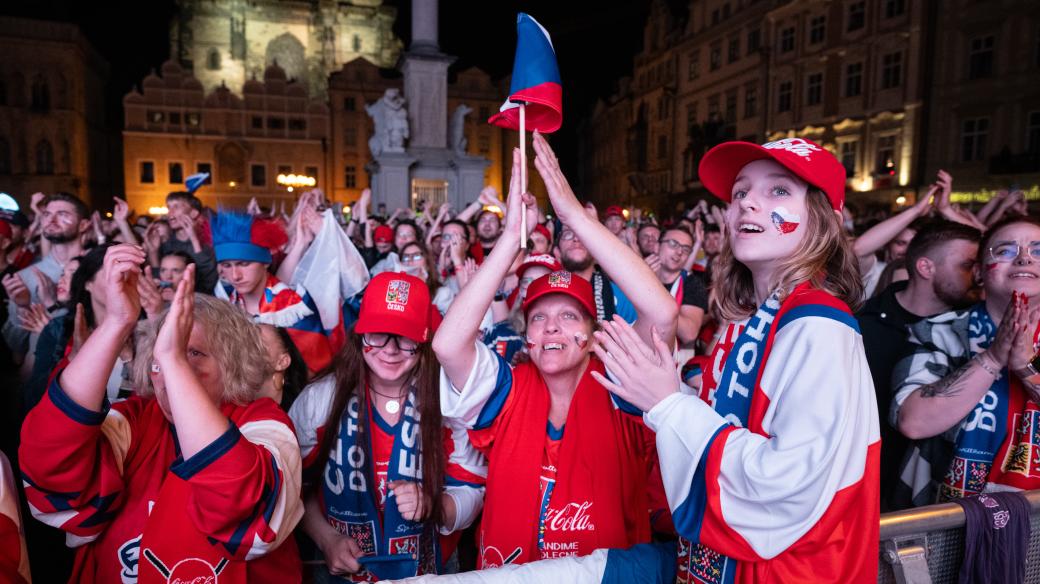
536	81
193	182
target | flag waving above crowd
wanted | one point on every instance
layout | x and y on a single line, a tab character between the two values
536	81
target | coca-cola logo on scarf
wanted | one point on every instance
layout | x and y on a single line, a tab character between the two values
570	517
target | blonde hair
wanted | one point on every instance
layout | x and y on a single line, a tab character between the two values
234	341
824	257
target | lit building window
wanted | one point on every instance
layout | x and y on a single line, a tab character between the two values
848	156
258	175
853	79
814	89
886	156
787	40
892	70
973	139
350	177
817	29
175	172
146	173
980	58
857	16
783	97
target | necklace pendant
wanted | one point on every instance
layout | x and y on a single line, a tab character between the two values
392	406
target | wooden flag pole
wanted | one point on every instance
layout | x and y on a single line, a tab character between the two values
523	175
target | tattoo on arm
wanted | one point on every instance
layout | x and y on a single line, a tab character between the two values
950	385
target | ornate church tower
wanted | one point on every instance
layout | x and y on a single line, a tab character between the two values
228	42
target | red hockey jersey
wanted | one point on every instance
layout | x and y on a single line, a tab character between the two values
116	483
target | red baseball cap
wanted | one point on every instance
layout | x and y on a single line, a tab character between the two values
543	260
544	231
562	282
383	233
397	304
615	210
807	160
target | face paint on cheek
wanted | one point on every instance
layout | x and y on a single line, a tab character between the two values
581	339
785	221
991	267
367	349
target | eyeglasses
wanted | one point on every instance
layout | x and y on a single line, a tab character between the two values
380	340
414	257
1009	252
672	244
568	236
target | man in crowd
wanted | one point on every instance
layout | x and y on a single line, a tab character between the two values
941	260
63	220
971	384
191	237
614	220
689	292
647	238
489	228
575	258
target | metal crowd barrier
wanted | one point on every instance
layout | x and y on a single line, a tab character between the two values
926	545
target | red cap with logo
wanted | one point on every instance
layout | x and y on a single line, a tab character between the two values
543	260
562	282
383	234
615	210
807	160
397	304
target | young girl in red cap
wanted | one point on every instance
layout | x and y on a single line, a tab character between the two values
568	468
772	476
385	481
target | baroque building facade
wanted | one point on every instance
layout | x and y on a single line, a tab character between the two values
229	42
896	89
52	115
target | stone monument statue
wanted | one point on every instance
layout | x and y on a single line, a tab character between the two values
391	121
456	129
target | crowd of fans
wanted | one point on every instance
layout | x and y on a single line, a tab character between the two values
138	353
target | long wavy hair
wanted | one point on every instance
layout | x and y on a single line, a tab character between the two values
350	373
824	257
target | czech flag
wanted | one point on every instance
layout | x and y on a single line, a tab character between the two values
536	81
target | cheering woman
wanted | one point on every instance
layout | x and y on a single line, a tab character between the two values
772	475
568	468
387	482
190	479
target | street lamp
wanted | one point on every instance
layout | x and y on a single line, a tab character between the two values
295	181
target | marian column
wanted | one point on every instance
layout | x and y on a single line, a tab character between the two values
425	71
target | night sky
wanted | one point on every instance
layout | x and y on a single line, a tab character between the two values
594	41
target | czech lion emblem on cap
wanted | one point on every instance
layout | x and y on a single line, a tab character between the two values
397	294
560	280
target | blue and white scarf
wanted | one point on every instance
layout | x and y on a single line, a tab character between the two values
393	547
983	431
732	400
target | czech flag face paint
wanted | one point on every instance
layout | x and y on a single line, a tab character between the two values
785	221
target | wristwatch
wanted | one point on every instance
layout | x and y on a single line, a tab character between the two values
1032	368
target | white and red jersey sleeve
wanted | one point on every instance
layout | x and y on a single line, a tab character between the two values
752	496
245	486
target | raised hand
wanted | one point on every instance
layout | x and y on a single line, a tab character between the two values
80	330
560	194
151	297
45	289
35	202
17	291
171	343
1000	348
119	274
121	211
34	318
646	374
514	210
253	208
411	503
